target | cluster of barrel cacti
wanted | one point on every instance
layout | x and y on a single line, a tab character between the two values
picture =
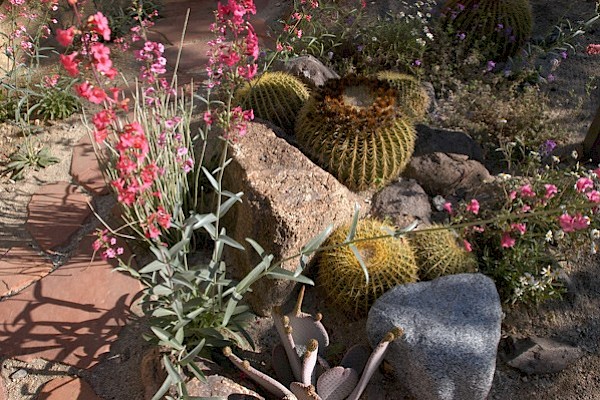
302	372
359	129
422	254
498	28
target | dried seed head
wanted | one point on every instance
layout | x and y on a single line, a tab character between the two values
318	317
285	320
288	330
312	345
246	365
397	332
389	337
227	351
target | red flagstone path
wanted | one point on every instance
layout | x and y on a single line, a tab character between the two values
72	313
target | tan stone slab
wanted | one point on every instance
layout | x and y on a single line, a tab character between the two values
19	267
70	316
3	390
85	169
67	388
56	211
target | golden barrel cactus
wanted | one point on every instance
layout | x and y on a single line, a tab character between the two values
274	96
412	99
389	261
439	253
352	129
498	28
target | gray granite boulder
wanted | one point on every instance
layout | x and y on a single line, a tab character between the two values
287	201
403	202
452	330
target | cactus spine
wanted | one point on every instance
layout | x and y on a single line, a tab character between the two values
497	27
389	261
412	100
439	253
274	96
352	129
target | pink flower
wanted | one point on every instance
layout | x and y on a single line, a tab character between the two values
163	218
448	207
580	222
506	241
584	184
70	64
468	246
566	222
593	196
252	43
593	49
525	208
91	93
473	206
512	195
551	190
101	60
208	118
65	37
99	24
527	191
521	228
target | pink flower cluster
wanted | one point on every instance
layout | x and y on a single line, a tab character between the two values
232	57
107	244
135	172
593	49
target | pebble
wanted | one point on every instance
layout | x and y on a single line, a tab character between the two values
19	374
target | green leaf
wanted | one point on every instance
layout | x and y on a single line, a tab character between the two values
161	290
192	354
360	261
162	312
280	273
212	180
231	306
257	247
352	230
164	388
195	369
229	203
153	266
165	337
316	241
203	219
253	275
230	242
175	377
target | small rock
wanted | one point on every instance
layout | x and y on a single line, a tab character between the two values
446	173
535	355
309	69
403	201
431	140
219	386
19	374
451	334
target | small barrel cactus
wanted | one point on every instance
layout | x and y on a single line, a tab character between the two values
274	96
498	28
412	100
353	130
438	253
389	261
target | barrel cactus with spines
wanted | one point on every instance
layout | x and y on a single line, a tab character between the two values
412	100
352	129
439	253
274	96
389	261
498	28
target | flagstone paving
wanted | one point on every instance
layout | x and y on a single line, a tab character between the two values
71	313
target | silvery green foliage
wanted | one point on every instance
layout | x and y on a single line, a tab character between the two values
197	307
306	375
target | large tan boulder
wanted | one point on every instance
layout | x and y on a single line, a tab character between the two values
287	201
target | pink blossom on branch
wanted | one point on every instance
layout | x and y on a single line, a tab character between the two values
507	241
593	49
98	23
473	206
65	37
70	64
